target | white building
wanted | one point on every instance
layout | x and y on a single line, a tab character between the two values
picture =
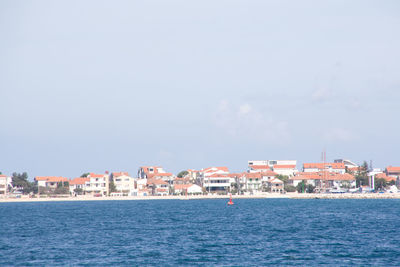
282	167
78	184
271	163
98	184
190	189
347	163
217	182
124	184
319	167
5	184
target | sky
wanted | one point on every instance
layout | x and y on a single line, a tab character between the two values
94	86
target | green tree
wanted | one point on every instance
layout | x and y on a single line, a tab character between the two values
362	175
310	188
20	180
182	174
380	184
301	187
78	191
290	188
84	175
283	178
111	187
62	190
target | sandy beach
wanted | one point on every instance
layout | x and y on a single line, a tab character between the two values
256	196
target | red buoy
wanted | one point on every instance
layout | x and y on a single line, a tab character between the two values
230	202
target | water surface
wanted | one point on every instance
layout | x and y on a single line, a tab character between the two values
201	232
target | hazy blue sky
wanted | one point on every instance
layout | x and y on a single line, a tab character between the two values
113	85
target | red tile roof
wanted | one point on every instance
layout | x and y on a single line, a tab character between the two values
284	166
269	173
182	186
392	169
321	165
323	176
253	175
156	181
213	169
162	174
94	175
384	176
53	179
117	174
79	180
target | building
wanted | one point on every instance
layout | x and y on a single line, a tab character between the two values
253	181
98	184
5	184
158	187
183	180
77	186
271	163
214	170
281	167
320	167
193	175
124	184
49	184
258	168
325	181
190	189
155	172
288	170
389	179
141	186
276	185
217	182
347	163
393	171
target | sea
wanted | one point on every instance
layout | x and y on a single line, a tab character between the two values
252	232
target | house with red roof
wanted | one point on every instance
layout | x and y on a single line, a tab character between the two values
155	172
77	186
98	184
338	167
258	168
276	185
324	181
282	167
51	181
158	187
393	171
124	184
253	181
217	183
190	189
385	177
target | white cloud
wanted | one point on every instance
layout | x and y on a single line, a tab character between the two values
247	123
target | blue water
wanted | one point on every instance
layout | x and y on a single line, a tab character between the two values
201	232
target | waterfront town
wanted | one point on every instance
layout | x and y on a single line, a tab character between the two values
260	177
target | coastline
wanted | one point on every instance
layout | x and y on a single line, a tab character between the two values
256	196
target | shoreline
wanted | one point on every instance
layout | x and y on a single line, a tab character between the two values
256	196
